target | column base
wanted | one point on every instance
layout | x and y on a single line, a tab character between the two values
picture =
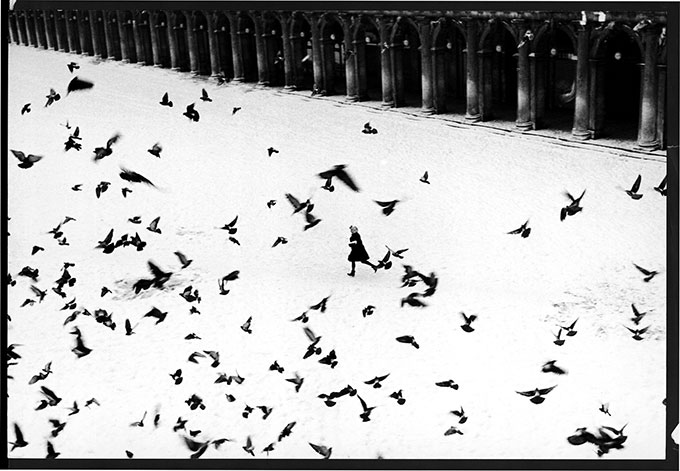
428	111
175	69
524	125
648	146
352	98
290	87
388	104
581	134
473	118
238	79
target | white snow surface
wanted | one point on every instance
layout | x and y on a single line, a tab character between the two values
482	186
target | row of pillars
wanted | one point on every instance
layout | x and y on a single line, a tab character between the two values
589	93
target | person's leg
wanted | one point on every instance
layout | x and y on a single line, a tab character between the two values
353	267
374	267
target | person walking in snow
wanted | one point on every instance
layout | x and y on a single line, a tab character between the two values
358	251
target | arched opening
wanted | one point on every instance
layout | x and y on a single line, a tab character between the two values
129	36
619	81
554	80
86	33
301	44
180	28
40	29
333	56
406	64
449	68
13	27
144	33
369	70
273	49
161	32
74	39
114	50
246	33
223	37
499	72
100	33
200	31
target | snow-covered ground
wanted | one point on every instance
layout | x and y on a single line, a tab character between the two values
482	186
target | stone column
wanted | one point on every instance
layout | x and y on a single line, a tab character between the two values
21	27
351	79
82	31
124	50
192	44
472	111
155	47
648	103
523	122
139	45
439	78
426	64
261	52
236	53
96	43
40	28
11	24
317	53
72	39
661	107
582	100
596	97
538	86
288	69
51	30
30	27
385	25
108	37
215	65
172	41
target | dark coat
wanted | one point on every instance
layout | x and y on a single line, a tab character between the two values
358	252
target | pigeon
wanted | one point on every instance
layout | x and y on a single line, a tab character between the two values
198	447
106	241
649	274
134	177
537	394
271	203
139	423
604	408
234	240
183	259
135	220
128	327
412	300
570	329
157	314
271	151
101	152
129	454
376	382
268	448
52	97
368	129
367	311
89	402
74	410
192	336
77	84
559	341
235	109
26	161
637	333
408	339
41	294
280	240
26	108
72	66
467	327
80	349
328	186
550	367
191	113
311	221
246	326
179	425
385	262
177	377
638	315
523	230
330	359
365	415
662	186
29	272
77	187
276	367
322	450
193	310
338	171
297	206
230	227
633	192
321	305
397	253
104	291
424	178
286	431
266	411
223	282
155	150
153	226
67	126
388	206
452	431
249	446
51	454
164	101
462	418
398	396
58	427
216	360
204	95
297	381
304	318
449	383
573	207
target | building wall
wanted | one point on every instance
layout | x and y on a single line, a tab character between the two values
597	72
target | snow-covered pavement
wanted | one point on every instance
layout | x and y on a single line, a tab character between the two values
482	186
